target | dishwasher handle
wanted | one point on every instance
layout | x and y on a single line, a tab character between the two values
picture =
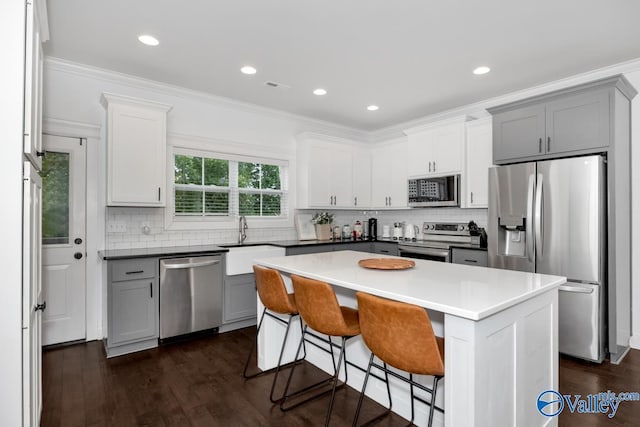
191	264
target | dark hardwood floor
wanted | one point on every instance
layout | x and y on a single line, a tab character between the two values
199	383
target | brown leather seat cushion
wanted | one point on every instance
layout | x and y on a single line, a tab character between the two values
401	335
272	291
318	306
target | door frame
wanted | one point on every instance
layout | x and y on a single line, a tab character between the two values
95	215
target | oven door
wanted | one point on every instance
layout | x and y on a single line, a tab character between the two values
419	252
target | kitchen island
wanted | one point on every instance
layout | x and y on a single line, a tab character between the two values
500	329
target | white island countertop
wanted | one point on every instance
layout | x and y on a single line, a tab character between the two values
464	291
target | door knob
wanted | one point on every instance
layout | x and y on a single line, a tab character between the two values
41	307
78	241
77	255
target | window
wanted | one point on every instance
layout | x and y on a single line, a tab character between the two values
210	185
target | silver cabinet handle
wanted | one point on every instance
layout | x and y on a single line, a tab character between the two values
540	145
389	200
472	197
434	166
575	289
548	144
538	217
158	193
355	201
471	260
429	166
151	289
191	265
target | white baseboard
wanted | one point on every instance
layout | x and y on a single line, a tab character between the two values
634	342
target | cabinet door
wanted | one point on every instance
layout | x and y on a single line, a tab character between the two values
239	297
385	248
381	176
361	178
578	122
420	148
478	161
469	257
340	176
319	176
518	133
398	191
133	310
33	87
448	149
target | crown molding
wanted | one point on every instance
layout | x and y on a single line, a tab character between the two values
108	98
310	136
114	77
454	120
52	126
478	109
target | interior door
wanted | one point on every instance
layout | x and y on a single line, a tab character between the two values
63	239
32	298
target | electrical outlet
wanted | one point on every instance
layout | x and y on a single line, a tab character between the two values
117	227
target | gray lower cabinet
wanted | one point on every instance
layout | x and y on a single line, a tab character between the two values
572	121
239	298
311	249
132	305
385	248
469	257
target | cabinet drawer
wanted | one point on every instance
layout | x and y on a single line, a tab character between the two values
469	257
132	269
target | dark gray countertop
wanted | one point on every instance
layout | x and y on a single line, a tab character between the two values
163	251
114	254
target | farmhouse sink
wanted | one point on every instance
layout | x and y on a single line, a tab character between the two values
239	259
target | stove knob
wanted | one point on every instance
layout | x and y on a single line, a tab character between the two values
461	227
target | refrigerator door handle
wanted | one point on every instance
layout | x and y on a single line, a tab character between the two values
576	289
539	220
529	219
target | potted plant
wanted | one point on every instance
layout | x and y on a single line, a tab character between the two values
322	221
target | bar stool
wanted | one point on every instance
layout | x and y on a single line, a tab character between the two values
274	297
319	308
400	335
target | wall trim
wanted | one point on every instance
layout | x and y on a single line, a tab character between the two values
115	77
478	109
60	127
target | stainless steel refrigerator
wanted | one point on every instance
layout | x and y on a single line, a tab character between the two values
550	217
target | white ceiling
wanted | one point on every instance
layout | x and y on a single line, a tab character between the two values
411	57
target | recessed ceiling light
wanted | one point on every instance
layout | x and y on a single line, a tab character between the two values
148	40
319	92
248	69
372	107
481	70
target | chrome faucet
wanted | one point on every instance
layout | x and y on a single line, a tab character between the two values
242	229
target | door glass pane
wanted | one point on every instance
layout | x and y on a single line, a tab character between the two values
55	198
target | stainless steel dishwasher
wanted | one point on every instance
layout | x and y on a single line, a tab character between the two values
190	295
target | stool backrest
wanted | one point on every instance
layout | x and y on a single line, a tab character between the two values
272	291
399	334
318	305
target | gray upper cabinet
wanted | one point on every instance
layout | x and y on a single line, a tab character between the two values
572	121
518	133
578	123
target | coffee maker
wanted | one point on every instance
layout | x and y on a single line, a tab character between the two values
373	229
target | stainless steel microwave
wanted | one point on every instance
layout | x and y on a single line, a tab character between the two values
430	192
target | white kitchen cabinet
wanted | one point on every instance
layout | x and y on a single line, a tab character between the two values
475	180
389	176
361	178
36	33
331	173
136	151
436	149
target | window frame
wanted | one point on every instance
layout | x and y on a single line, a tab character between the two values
213	222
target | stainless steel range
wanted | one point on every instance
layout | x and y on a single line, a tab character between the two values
437	238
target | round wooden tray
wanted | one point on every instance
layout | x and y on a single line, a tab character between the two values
386	263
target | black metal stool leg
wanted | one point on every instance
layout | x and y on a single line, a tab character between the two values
253	347
433	399
364	388
278	366
412	400
335	380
